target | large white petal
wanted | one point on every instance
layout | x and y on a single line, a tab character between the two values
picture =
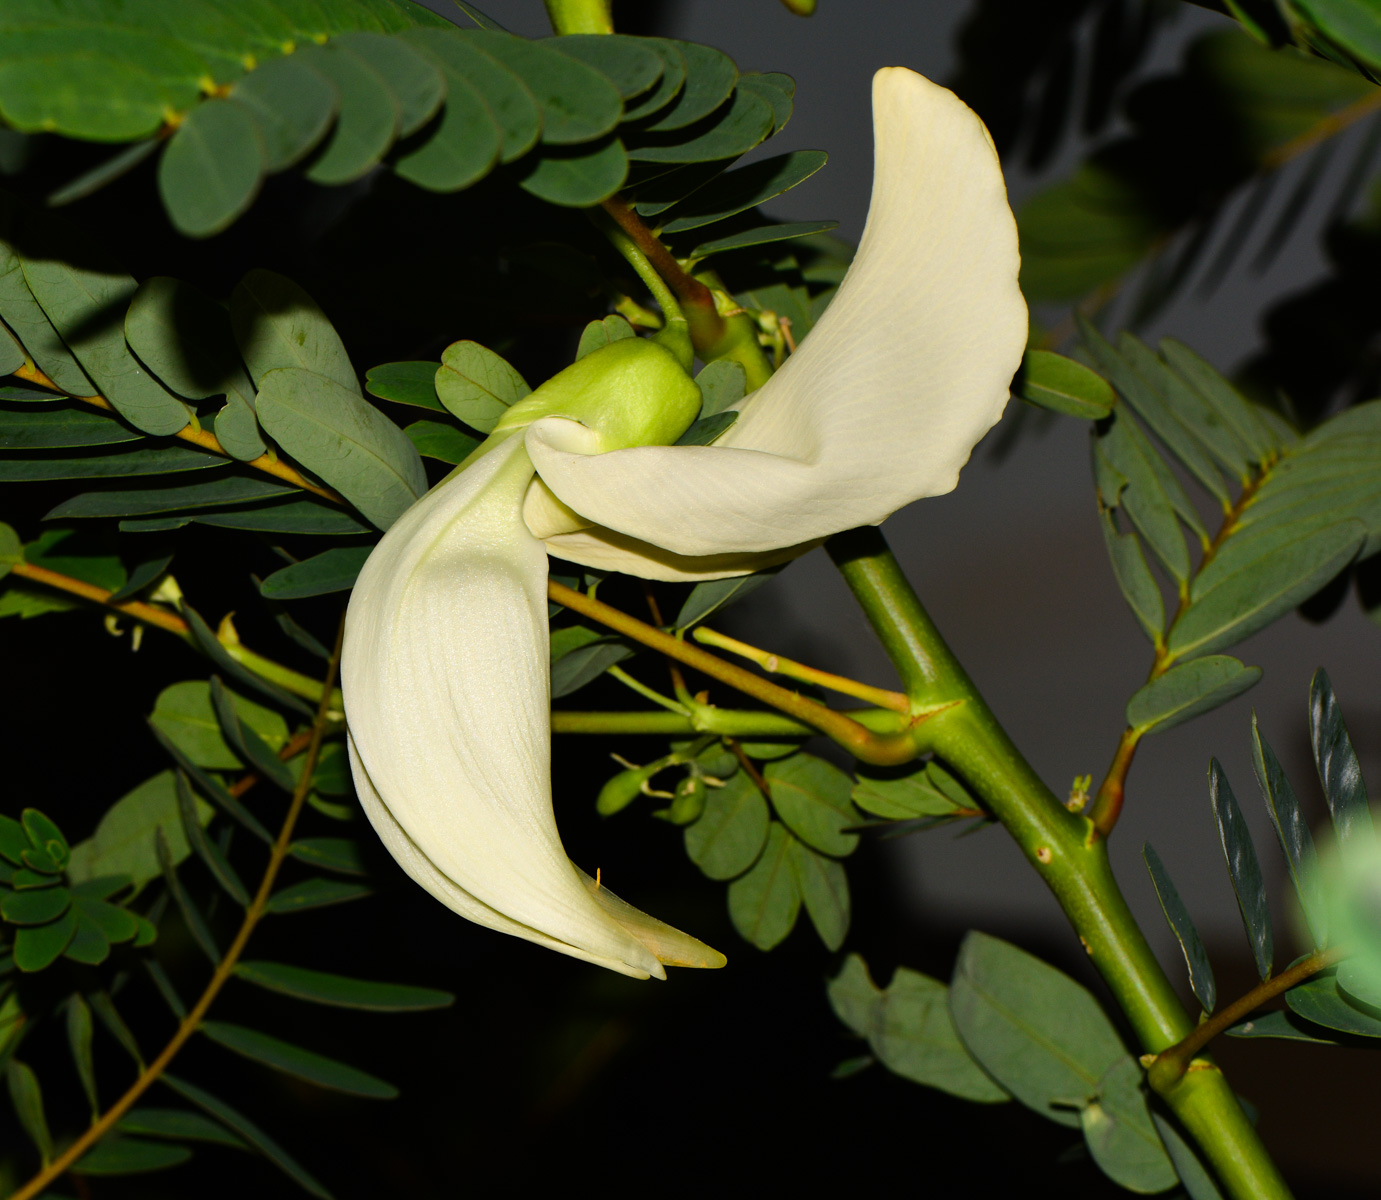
447	689
887	396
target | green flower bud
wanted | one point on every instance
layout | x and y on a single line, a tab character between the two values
631	392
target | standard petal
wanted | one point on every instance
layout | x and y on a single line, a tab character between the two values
886	398
446	680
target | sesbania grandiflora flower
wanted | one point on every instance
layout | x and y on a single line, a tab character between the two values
445	668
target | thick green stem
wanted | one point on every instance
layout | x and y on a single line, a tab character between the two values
580	16
1061	846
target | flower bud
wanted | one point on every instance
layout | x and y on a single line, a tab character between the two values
631	392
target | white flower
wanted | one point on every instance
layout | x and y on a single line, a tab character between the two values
445	668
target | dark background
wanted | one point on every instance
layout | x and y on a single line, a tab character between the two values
549	1073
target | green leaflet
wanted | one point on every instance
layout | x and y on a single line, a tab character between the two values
507	102
722	385
709	79
213	168
764	903
1042	1036
405	383
824	887
1320	1001
1063	385
227	489
441	441
762	235
184	337
629	63
1258	593
476	385
315	893
185	714
367	120
598	334
332	570
732	831
909	1028
578	103
668	87
123	841
277	324
416	83
903	793
61	426
580	176
1121	1136
250	1132
1339	771
777	89
1186	691
292	105
730	131
1138	586
339	436
811	797
86	305
177	1124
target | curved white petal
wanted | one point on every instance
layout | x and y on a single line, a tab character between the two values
886	398
606	550
447	687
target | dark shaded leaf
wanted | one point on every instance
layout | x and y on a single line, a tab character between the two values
340	991
115	1155
580	176
707	598
1321	1002
761	236
1293	832
1243	867
330	854
250	1132
1182	926
1281	1024
191	915
811	797
629	63
206	849
224	490
367	120
415	81
405	383
443	442
293	1060
206	642
61	426
738	191
27	1098
1339	771
212	788
824	887
177	1124
668	86
38	946
245	742
314	893
79	1033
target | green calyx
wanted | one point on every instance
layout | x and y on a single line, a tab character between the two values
631	393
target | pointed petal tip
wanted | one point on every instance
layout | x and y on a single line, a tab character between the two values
672	947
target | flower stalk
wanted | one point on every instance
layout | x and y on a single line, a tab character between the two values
1065	851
